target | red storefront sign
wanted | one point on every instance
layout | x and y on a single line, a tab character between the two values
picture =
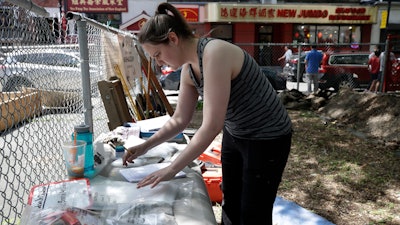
287	13
190	14
97	6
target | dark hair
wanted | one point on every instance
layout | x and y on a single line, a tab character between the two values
166	19
377	53
313	46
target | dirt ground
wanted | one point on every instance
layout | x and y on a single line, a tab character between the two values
345	159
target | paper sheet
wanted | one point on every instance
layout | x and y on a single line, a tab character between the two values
135	174
153	123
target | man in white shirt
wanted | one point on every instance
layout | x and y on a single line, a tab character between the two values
287	55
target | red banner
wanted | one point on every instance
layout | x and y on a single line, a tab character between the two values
97	6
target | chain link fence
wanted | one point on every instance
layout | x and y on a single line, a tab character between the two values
44	94
49	84
342	64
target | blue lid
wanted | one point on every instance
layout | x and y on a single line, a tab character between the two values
81	128
119	148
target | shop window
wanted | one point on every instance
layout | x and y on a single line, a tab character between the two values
265	34
350	34
326	34
301	34
264	52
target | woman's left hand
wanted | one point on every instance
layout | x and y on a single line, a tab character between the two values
156	177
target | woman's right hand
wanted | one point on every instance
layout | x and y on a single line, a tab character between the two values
132	153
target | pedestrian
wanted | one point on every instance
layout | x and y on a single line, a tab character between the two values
237	100
312	61
374	68
382	66
287	55
376	48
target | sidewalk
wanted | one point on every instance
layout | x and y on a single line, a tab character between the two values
293	85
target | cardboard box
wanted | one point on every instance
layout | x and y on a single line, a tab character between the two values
213	179
18	106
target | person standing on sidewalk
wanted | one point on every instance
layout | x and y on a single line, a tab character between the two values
238	99
374	68
312	61
287	55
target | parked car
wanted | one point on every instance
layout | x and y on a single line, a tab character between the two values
47	69
348	69
171	80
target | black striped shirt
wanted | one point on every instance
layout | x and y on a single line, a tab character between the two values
254	110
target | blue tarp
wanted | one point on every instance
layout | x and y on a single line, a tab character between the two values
289	213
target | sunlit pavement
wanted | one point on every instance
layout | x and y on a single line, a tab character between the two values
301	86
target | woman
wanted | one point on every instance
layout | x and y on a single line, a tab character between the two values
237	98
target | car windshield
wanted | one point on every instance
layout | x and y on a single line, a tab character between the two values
349	59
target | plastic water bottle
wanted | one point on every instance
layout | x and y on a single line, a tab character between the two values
83	133
119	151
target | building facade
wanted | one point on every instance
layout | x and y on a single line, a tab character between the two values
264	21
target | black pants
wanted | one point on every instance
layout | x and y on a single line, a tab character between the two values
251	173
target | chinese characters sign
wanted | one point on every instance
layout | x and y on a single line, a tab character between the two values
99	6
288	13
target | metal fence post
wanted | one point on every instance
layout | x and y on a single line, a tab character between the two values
298	68
86	87
386	56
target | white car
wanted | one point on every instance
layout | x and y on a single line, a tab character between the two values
45	69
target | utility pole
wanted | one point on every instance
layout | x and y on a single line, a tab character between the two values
386	54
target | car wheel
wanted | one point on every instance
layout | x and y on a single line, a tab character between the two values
17	84
346	82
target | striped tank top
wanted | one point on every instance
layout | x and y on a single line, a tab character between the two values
254	109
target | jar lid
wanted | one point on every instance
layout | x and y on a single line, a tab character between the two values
81	128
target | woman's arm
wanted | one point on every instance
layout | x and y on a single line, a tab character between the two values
222	61
187	101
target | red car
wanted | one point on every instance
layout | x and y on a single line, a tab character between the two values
344	69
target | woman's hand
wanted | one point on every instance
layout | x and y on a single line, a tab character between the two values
132	153
156	177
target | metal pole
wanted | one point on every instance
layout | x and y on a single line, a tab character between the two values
386	57
386	53
83	47
387	18
298	67
85	72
